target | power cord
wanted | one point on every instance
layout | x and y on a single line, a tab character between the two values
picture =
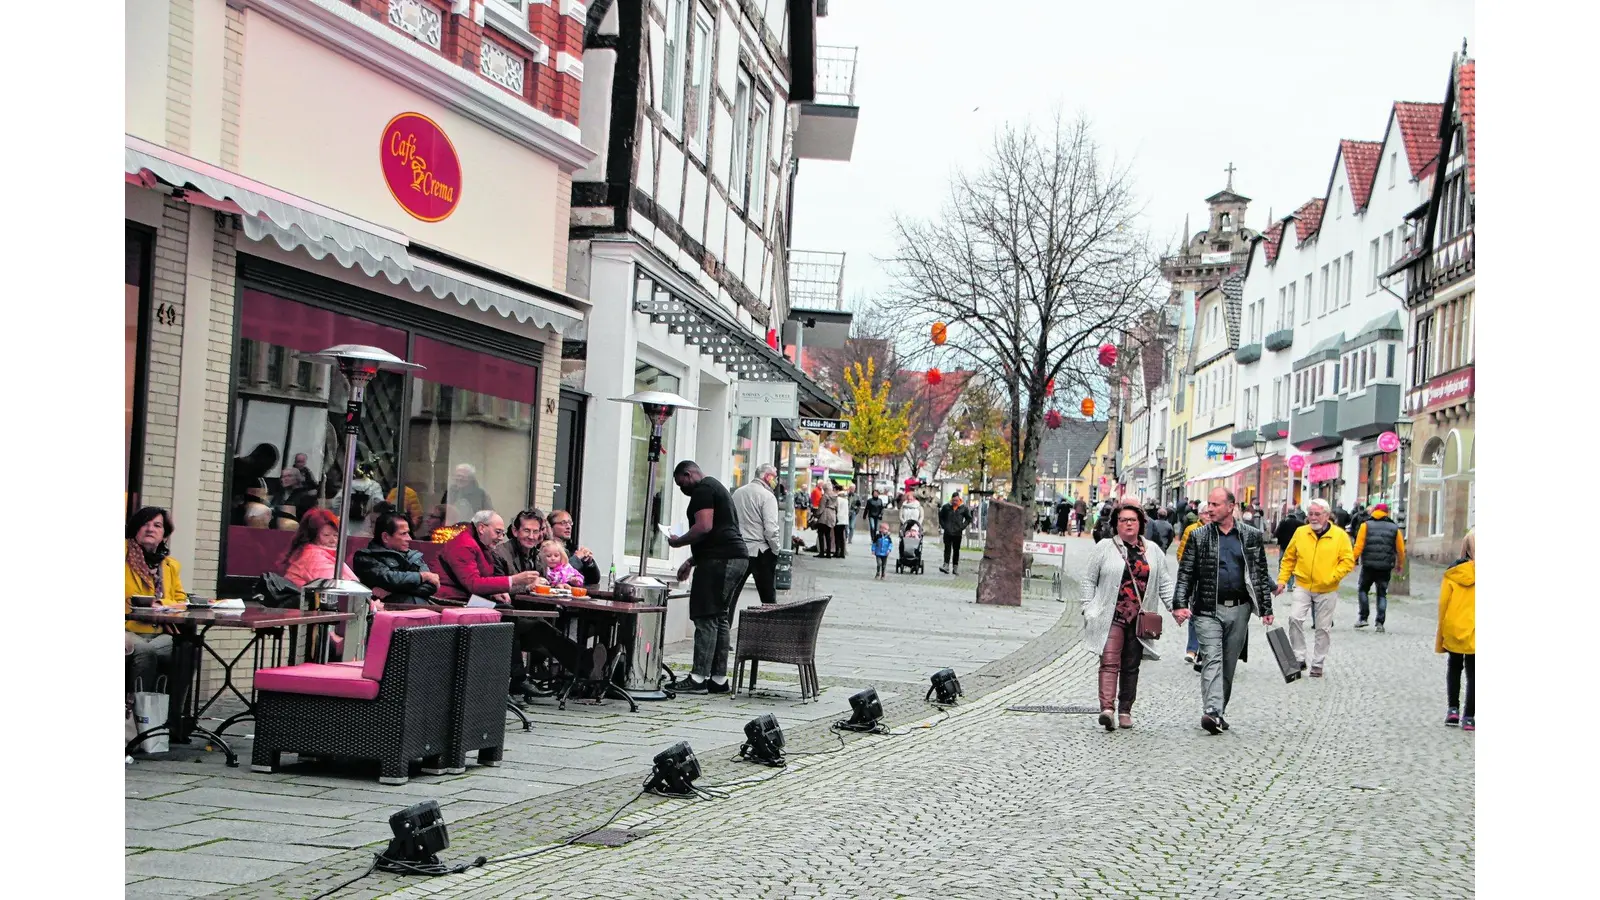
575	838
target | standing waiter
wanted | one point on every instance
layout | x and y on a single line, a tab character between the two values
719	562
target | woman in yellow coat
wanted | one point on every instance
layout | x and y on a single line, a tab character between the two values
149	572
1457	632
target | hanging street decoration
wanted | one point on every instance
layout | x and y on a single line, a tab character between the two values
935	376
940	332
1108	355
1052	419
1087	407
1050	387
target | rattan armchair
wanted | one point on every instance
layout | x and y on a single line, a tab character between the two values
781	633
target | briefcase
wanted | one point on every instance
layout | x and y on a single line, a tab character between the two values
1285	654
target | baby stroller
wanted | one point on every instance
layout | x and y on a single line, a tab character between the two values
910	558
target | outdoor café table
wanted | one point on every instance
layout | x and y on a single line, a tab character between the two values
188	627
609	621
645	638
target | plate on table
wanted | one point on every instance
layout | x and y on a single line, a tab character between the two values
194	602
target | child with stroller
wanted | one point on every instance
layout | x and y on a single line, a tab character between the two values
882	544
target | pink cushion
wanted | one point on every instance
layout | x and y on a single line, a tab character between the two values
316	678
383	625
458	615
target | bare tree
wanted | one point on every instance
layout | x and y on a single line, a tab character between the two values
1034	261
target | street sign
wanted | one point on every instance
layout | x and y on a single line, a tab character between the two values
1045	548
1215	449
773	399
837	425
1297	463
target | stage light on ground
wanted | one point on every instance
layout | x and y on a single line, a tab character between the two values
865	710
763	740
674	771
946	685
419	835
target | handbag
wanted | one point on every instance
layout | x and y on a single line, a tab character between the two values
1147	625
149	711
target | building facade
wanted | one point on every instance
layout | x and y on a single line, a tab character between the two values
1321	364
698	111
1210	455
1439	352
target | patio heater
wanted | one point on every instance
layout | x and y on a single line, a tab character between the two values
649	633
360	364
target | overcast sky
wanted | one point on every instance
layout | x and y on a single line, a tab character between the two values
1179	89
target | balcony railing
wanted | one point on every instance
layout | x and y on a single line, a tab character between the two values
836	76
816	280
1247	354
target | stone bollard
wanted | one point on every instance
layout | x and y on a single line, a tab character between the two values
1000	575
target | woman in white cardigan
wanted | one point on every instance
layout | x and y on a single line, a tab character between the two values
1125	576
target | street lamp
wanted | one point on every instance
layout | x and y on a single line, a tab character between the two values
644	658
1403	429
1261	467
1161	474
359	364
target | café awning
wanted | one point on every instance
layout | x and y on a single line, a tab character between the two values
293	223
1226	469
718	334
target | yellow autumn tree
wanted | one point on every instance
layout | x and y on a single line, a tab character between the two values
877	432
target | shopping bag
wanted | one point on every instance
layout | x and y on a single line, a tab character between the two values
1287	664
149	711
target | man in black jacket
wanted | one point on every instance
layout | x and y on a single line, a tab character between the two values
875	507
953	521
1159	529
1286	529
389	564
1222	577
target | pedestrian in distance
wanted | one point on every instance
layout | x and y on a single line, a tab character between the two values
1222	578
1287	527
954	517
1319	557
825	515
855	512
1381	550
1159	529
875	506
1126	576
1457	632
882	546
843	520
756	506
1080	512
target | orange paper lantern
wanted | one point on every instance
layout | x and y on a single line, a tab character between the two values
940	332
1087	407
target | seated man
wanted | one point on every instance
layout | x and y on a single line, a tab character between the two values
149	572
579	557
520	551
469	571
389	564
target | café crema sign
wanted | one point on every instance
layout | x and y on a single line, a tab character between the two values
420	167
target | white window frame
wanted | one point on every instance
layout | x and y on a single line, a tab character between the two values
1322	308
673	65
1372	251
1388	248
1307	319
760	132
1349	277
1394	166
739	157
700	80
1283	306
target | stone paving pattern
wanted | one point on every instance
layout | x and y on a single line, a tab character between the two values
1349	786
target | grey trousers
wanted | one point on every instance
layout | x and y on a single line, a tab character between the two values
711	632
1320	609
1221	635
151	653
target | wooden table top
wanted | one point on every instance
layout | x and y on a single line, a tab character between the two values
608	594
253	616
508	613
620	607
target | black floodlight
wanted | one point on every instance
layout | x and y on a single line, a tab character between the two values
419	835
865	710
945	685
674	771
763	740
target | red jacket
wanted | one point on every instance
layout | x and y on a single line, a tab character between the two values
467	570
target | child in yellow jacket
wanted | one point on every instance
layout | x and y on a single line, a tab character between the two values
1457	633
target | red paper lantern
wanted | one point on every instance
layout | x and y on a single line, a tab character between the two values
924	445
772	338
940	332
1087	407
1108	355
935	376
1052	419
1050	387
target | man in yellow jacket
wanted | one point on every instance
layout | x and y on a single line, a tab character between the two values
1319	557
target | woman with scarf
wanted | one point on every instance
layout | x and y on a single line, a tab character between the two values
1126	576
149	572
310	556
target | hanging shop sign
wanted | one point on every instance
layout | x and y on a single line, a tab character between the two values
1447	390
1324	472
1297	463
420	167
775	399
1216	449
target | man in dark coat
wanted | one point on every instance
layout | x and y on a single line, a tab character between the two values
1081	510
1290	523
954	518
390	565
1159	529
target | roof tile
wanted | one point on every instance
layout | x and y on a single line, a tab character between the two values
1273	238
1419	129
1466	103
1308	219
1361	168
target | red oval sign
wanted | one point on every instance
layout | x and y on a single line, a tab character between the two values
420	167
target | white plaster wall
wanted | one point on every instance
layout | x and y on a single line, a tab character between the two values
594	111
145	69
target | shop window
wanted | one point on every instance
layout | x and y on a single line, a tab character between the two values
649	378
136	325
285	405
743	451
469	434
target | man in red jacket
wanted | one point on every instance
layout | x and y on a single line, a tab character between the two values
468	570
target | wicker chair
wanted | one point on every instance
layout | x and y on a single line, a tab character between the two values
781	633
333	710
478	709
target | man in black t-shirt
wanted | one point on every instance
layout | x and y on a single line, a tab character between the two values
719	560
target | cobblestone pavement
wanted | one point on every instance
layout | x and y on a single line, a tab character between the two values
195	827
1346	786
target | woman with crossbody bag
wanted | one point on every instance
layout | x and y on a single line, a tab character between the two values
1126	583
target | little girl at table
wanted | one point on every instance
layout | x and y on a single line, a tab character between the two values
557	569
